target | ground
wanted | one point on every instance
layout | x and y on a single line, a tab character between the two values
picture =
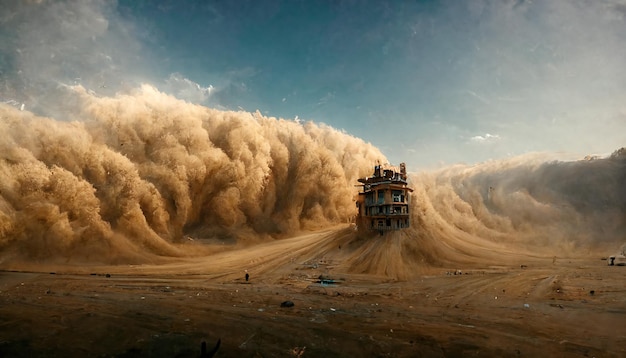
523	307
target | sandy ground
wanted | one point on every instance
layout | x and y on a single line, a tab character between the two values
523	307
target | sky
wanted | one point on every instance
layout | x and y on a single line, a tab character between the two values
430	83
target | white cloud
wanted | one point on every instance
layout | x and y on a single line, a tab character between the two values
186	89
487	138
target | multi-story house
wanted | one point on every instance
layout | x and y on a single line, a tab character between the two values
383	203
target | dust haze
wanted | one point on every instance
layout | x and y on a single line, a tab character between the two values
144	176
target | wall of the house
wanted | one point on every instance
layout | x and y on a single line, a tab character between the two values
383	209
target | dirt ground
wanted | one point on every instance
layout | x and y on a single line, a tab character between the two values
524	307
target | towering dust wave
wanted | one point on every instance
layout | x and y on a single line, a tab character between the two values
531	204
141	172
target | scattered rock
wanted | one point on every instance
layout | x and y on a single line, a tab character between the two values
287	304
298	352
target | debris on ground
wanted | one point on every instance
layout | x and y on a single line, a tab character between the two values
287	304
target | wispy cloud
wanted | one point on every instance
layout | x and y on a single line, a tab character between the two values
186	89
487	138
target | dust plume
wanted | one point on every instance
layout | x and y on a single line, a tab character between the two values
529	203
143	172
145	175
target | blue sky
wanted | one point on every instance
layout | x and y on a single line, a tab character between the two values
430	83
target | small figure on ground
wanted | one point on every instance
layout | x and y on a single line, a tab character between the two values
247	276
